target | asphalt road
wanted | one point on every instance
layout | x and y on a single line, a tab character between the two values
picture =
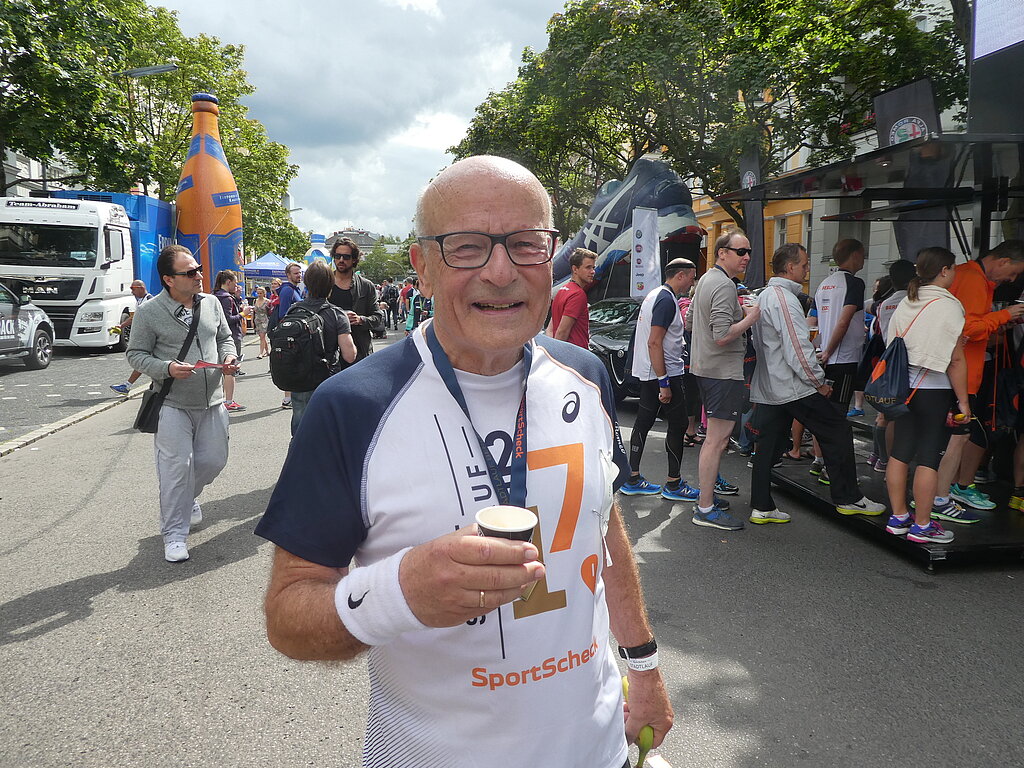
792	645
76	379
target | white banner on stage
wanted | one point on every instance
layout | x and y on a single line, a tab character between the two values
645	266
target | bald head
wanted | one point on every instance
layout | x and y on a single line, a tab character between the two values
464	183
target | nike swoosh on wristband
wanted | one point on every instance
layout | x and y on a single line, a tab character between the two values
353	604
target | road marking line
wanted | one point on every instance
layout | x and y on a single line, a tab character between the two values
48	429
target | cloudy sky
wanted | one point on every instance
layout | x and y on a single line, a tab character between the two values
368	94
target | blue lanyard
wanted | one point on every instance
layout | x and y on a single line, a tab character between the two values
516	494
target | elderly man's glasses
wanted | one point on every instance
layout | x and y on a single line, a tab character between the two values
739	251
471	250
189	272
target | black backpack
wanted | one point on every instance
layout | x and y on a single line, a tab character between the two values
298	362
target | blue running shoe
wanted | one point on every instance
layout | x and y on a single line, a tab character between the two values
899	527
716	518
952	512
854	412
685	492
724	488
639	487
121	389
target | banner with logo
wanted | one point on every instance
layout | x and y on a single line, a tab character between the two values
905	113
753	215
645	266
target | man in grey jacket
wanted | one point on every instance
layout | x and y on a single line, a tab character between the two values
788	383
192	440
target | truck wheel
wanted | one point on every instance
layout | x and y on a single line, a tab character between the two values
122	340
42	350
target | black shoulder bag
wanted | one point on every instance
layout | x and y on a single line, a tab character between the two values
148	418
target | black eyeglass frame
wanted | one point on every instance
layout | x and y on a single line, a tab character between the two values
495	240
188	272
344	256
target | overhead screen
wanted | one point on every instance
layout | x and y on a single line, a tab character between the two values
996	101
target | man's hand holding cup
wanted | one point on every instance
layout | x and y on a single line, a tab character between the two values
462	575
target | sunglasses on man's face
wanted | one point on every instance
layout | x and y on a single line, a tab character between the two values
740	251
189	272
344	256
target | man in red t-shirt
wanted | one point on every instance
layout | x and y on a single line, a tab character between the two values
570	312
403	299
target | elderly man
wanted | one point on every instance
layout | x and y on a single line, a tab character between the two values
788	383
192	441
457	660
138	289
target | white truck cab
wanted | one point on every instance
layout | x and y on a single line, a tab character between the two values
73	258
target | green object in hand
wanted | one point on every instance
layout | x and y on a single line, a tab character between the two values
645	740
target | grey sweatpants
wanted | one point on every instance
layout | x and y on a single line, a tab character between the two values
191	450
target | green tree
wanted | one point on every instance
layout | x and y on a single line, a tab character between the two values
706	81
56	63
379	262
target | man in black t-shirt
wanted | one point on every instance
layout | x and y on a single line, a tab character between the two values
356	295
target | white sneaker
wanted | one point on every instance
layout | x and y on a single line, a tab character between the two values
175	552
771	516
197	514
863	507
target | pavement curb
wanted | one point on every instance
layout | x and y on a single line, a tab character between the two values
48	429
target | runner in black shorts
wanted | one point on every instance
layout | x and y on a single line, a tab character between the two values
931	321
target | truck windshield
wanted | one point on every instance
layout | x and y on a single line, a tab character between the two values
46	245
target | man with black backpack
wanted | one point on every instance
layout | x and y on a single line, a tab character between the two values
311	342
389	296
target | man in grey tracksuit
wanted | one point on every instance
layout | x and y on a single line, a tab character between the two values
192	440
788	383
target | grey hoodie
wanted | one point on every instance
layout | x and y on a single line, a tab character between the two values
156	339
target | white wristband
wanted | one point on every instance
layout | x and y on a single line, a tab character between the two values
371	605
644	664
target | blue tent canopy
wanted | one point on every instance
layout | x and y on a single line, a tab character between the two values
268	265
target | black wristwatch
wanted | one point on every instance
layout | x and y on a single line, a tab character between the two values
639	651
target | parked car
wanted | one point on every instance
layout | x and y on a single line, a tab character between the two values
25	330
612	312
611	344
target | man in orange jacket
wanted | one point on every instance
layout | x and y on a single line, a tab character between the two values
974	286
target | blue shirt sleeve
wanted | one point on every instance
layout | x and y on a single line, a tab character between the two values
854	292
664	311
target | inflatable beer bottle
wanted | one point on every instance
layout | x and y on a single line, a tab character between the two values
209	208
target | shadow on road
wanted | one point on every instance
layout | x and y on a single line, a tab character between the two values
35	614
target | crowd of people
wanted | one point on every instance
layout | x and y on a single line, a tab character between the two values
723	366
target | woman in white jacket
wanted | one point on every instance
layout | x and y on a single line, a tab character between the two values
931	321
